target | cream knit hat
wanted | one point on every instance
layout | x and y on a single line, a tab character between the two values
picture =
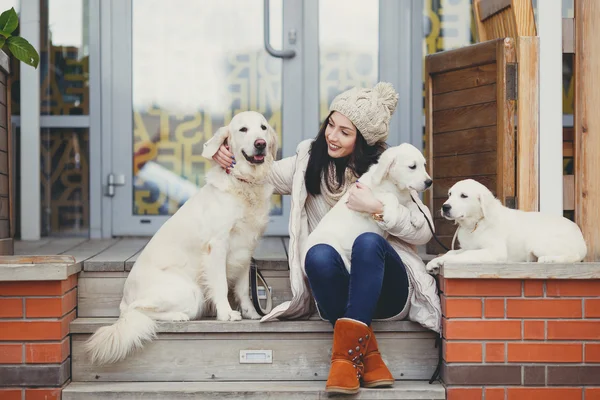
370	110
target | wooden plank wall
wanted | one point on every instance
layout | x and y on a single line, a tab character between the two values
6	241
470	133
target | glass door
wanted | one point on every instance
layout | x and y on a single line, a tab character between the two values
180	70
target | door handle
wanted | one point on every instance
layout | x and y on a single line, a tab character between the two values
267	32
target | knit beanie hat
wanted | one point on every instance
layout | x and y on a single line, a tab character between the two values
370	110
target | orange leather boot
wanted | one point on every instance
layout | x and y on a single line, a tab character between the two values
376	373
350	341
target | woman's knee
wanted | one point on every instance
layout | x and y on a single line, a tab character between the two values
368	242
318	259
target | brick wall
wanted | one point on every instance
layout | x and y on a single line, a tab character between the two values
513	339
34	338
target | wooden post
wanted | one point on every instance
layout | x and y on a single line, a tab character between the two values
528	123
587	123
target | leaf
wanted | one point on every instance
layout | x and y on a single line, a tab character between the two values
9	21
2	40
23	50
4	34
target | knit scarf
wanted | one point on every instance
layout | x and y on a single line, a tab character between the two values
333	196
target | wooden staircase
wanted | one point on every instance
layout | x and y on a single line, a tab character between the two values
209	359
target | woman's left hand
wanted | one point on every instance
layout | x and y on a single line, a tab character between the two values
361	199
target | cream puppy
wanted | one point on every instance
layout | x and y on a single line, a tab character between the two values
489	232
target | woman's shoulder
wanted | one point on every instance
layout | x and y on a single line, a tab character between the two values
304	147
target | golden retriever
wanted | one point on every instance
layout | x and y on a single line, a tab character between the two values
202	250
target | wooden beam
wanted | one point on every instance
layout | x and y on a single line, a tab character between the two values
569	192
528	124
587	123
505	112
568	35
487	8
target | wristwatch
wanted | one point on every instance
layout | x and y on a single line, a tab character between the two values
378	217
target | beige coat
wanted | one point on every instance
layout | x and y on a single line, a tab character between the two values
424	304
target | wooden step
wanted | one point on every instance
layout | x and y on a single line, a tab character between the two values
289	390
209	350
99	293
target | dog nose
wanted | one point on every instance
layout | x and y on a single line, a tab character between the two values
446	207
260	144
428	183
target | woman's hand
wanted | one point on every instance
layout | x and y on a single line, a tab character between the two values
361	199
224	157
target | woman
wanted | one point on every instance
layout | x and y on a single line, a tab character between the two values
387	278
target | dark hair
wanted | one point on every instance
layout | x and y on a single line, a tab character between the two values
319	161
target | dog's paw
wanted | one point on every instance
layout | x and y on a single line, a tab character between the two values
434	266
180	317
250	313
230	315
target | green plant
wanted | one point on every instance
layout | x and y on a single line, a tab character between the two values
19	47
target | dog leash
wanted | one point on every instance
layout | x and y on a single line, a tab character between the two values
438	340
255	275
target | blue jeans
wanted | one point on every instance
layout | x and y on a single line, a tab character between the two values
376	287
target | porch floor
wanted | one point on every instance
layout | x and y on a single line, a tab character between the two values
119	254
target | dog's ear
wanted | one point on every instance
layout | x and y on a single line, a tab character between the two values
213	144
273	142
486	201
385	163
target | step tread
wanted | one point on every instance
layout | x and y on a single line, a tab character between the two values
90	325
408	390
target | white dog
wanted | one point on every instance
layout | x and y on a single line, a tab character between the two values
400	170
202	250
489	232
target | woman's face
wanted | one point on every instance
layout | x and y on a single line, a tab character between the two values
340	135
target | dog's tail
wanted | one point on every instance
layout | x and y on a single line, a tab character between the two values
114	342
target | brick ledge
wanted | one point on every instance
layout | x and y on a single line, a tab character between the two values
526	270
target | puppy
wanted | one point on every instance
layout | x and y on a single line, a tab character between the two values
202	250
400	170
489	232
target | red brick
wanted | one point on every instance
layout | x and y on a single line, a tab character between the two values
545	352
483	287
592	352
442	282
10	394
50	307
11	353
483	330
38	288
573	288
43	394
494	352
462	308
494	308
36	330
534	330
11	308
592	393
462	352
592	308
494	393
543	308
464	394
589	330
546	393
533	288
47	353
